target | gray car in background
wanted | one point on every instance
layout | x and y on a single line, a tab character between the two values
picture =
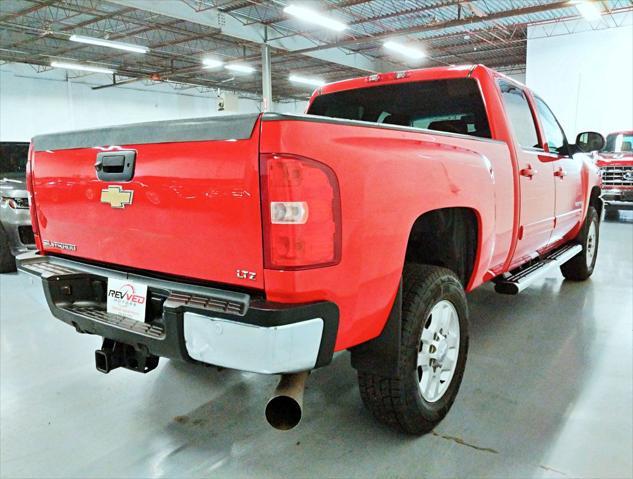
16	233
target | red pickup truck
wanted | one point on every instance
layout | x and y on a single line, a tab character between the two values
615	161
269	242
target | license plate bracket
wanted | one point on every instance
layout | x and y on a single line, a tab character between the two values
127	298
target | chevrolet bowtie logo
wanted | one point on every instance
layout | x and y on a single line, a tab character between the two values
116	196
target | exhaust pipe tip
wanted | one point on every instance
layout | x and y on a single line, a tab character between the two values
285	408
283	413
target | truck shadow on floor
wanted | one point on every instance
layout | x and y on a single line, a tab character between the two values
624	216
523	349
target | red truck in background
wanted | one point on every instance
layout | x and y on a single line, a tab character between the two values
615	161
269	242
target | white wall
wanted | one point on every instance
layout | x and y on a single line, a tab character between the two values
586	77
290	106
520	77
34	103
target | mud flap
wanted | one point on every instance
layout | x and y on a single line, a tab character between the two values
381	355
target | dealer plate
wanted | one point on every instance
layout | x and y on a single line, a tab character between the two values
127	298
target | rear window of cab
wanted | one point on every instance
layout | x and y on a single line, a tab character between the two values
453	106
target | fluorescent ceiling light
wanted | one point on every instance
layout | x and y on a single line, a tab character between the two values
589	10
78	66
240	67
109	43
404	50
312	16
212	63
306	81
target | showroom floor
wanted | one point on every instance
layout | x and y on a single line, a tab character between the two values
547	393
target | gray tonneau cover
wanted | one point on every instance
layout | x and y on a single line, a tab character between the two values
221	127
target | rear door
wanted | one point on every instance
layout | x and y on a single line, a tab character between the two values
567	173
191	207
536	175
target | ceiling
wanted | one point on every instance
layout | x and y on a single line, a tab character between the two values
180	33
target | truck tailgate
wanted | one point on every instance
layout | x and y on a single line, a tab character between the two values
191	208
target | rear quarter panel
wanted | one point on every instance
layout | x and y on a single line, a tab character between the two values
388	177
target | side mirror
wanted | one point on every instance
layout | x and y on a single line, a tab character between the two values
588	141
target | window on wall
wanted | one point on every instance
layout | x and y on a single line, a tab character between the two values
554	135
519	114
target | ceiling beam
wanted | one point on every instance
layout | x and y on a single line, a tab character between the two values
83	24
429	27
407	10
256	33
26	11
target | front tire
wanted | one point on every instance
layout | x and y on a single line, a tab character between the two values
7	260
581	266
432	354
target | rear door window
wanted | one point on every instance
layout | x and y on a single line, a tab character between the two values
520	115
454	106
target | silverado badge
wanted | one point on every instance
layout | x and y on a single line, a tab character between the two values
116	196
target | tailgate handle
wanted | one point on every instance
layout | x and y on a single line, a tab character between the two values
115	166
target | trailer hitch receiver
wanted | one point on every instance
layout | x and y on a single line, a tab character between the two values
114	354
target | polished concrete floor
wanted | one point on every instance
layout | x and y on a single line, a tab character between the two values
547	393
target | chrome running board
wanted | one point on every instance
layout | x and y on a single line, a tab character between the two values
523	278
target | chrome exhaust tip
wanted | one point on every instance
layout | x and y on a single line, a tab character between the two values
285	408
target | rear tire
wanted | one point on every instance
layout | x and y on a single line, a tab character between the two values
434	340
7	260
581	266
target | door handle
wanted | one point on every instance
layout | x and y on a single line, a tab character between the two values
528	172
561	173
115	166
110	163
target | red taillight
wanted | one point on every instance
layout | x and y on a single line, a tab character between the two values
32	208
301	208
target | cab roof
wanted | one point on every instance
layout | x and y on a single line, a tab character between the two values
422	74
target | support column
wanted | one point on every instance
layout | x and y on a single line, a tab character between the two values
267	85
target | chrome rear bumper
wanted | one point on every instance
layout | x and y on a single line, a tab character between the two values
250	347
196	323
